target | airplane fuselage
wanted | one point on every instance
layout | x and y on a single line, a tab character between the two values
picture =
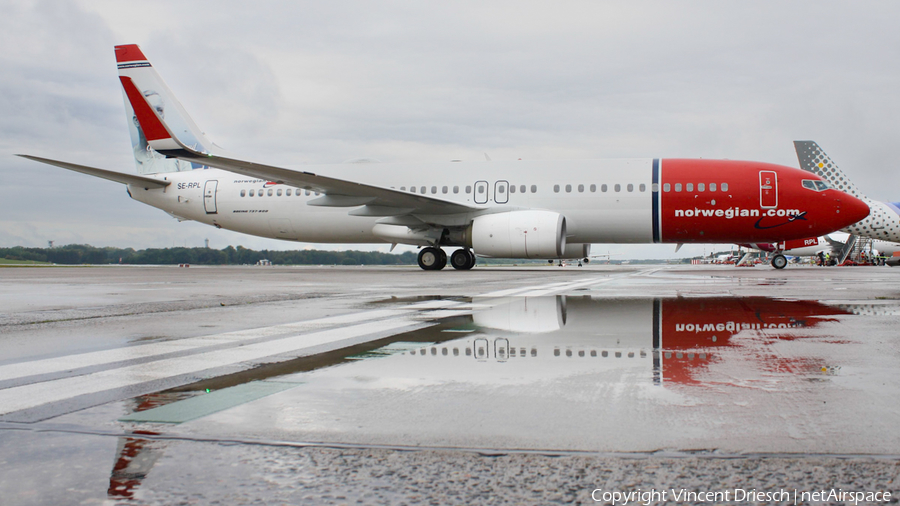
603	201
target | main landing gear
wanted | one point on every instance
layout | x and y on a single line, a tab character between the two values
779	261
462	259
434	259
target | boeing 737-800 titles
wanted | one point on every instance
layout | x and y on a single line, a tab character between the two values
517	209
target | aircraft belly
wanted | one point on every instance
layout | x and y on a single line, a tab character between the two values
614	225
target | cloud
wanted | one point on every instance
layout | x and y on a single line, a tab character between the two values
298	83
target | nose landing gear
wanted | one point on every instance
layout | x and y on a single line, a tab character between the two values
779	261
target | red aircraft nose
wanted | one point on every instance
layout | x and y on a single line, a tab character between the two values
852	210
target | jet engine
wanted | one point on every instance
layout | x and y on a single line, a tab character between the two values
520	234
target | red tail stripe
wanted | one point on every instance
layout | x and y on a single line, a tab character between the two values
151	125
130	52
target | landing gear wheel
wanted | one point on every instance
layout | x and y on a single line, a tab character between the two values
432	259
779	261
462	259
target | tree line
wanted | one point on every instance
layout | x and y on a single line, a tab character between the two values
75	254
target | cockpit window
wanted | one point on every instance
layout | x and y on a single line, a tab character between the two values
815	185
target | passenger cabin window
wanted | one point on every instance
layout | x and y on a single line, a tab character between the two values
724	187
568	188
667	187
307	193
270	192
630	187
689	187
712	187
522	188
618	187
480	190
581	188
456	189
603	188
433	190
412	189
677	187
278	192
444	189
556	188
287	192
701	187
512	188
593	188
534	188
643	187
468	189
243	192
422	190
403	188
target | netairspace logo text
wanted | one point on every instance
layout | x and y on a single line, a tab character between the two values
736	495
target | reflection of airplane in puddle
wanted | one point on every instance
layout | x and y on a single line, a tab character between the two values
136	455
675	338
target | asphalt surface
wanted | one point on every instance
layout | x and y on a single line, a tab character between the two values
508	385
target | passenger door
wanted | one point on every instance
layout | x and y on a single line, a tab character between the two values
768	189
209	196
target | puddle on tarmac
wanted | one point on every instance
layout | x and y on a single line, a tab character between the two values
665	341
564	372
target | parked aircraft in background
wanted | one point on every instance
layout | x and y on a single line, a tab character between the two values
516	209
884	220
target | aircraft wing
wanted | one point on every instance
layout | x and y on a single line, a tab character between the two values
119	177
378	201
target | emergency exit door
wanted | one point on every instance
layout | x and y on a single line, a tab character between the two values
209	196
768	189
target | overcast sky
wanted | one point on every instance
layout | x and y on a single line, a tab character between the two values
323	82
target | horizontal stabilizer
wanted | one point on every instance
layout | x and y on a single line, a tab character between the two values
140	181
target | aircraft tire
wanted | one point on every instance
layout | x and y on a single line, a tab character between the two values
779	261
432	259
462	259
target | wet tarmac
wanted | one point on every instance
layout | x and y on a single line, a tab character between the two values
328	385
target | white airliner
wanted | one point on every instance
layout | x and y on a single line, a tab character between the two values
882	223
516	209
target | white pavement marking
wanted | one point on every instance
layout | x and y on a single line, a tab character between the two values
145	351
36	394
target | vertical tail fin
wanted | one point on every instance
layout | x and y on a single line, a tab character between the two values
155	117
813	159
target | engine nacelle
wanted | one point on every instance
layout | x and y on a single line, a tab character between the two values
520	234
576	250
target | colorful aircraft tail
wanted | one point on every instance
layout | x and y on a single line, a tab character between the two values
813	159
147	96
